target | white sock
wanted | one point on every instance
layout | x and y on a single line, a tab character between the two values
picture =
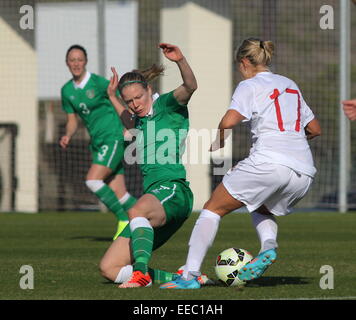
124	198
94	185
267	229
202	238
124	274
139	222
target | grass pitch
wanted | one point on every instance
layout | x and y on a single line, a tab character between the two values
64	250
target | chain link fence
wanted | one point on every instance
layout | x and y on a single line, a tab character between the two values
305	52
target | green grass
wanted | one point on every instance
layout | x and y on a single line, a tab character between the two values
64	250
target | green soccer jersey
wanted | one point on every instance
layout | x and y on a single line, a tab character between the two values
92	104
161	140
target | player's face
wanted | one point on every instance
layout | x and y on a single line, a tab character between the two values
76	63
138	98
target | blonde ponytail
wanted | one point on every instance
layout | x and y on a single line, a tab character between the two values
257	51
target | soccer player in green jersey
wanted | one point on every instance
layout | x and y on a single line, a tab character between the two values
167	199
85	95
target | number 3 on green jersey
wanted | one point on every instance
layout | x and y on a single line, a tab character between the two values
84	108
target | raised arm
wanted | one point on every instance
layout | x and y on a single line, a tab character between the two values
71	128
228	121
189	85
125	115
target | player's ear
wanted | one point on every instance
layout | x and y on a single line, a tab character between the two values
245	62
150	90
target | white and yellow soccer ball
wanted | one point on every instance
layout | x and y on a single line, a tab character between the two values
229	263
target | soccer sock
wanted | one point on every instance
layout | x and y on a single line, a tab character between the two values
142	243
160	276
124	274
157	276
267	229
108	197
202	238
127	201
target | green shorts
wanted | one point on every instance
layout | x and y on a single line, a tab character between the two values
177	201
109	154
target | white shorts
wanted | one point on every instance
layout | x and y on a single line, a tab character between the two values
276	186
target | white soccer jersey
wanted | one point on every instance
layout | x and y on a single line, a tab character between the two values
277	114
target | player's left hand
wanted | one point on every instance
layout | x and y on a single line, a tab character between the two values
171	52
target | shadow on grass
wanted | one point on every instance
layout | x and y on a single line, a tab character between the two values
102	239
261	282
278	281
273	282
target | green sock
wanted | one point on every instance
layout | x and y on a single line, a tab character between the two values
142	243
129	203
160	276
109	198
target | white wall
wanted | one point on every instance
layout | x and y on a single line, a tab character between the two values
60	25
205	39
28	75
18	104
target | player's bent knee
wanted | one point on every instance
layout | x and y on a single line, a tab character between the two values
104	269
109	271
138	211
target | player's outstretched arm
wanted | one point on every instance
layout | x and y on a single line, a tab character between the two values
71	128
313	129
184	92
228	121
349	107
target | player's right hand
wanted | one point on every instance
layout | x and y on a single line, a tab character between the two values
64	142
349	107
114	83
171	52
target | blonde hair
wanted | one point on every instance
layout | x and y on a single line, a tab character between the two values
141	76
257	51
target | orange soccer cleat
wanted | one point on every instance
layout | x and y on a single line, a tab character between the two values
137	279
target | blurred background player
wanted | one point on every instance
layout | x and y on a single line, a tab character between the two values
278	171
167	200
349	107
86	95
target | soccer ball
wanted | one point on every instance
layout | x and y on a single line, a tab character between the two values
228	264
